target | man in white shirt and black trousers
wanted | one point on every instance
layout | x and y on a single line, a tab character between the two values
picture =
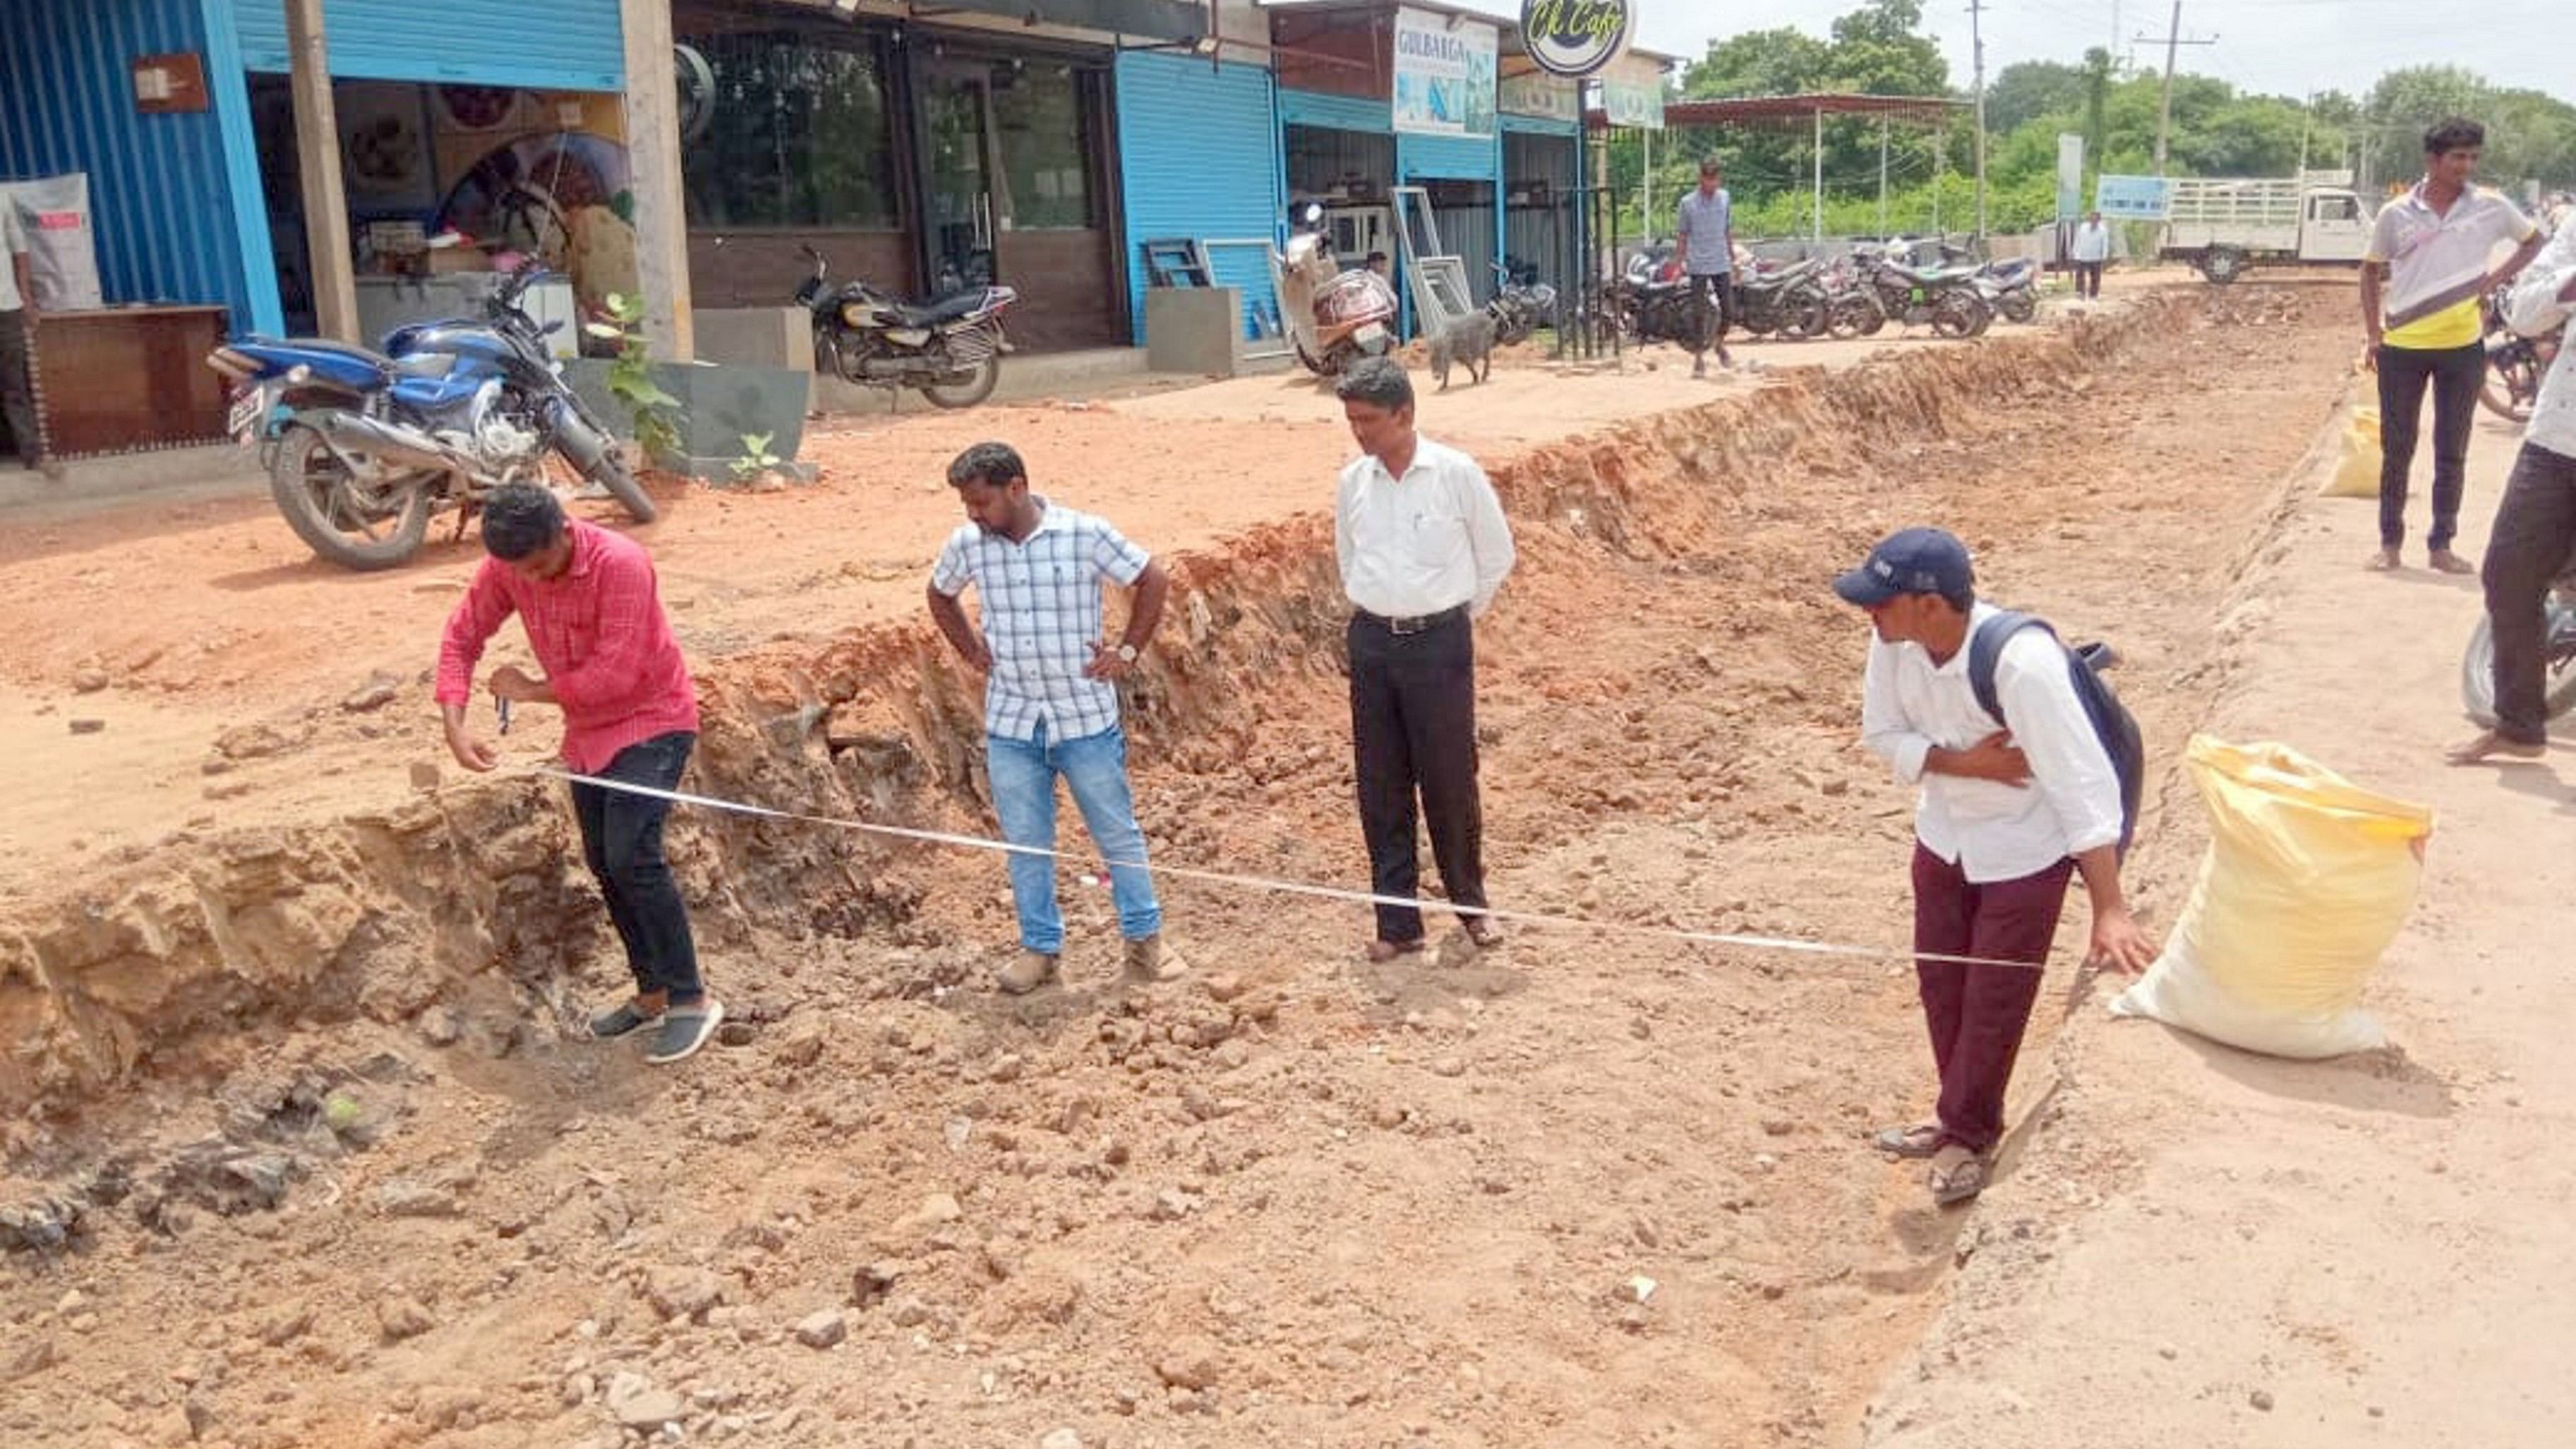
2004	819
1423	548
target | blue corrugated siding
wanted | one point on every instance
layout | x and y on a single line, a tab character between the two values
1198	157
1539	125
159	188
1313	108
1450	158
573	45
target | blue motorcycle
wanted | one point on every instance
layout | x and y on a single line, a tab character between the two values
363	447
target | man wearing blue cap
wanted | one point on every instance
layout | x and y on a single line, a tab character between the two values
2005	817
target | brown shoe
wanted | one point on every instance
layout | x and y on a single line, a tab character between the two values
2489	745
2383	562
1148	961
1485	931
1383	950
1033	970
2446	562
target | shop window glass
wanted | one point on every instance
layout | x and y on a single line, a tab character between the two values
1046	145
796	133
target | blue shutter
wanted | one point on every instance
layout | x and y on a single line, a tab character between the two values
161	197
1449	158
572	45
1198	157
1341	113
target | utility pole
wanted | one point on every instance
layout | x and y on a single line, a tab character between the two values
317	152
1977	52
2164	108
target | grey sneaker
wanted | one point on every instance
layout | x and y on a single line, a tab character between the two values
684	1030
1033	970
620	1020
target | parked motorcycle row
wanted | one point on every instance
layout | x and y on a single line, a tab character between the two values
1854	295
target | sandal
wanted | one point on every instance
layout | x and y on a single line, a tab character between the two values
1916	1142
1957	1175
1382	950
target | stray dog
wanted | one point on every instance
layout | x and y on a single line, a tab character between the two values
1468	341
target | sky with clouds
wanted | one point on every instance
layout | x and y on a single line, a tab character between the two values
2281	47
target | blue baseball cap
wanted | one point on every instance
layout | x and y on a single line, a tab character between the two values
1915	561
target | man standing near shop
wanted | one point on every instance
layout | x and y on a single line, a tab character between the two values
1051	693
2005	817
1707	237
1423	548
2089	249
2424	279
593	614
2534	535
17	346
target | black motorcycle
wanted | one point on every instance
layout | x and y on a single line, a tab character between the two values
2515	363
1522	303
1947	298
1790	301
2558	656
950	350
1652	299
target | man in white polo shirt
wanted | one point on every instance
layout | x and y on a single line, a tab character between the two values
2423	280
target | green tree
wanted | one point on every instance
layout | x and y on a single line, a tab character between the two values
2029	89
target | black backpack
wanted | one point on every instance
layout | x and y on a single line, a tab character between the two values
2113	725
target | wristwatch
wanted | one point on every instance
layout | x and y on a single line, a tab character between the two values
1126	652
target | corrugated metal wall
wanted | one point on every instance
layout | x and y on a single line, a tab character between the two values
1314	108
163	207
573	45
1448	158
1199	157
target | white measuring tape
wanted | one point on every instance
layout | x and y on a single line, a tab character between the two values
1278	886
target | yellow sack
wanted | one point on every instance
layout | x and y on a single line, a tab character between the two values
2357	476
2307	880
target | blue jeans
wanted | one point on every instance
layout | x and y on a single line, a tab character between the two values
1095	768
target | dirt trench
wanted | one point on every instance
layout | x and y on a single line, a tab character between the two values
1588	1189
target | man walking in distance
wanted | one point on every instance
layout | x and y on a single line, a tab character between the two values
2423	279
2003	819
593	614
1051	693
1707	237
2534	535
17	347
2090	248
1423	548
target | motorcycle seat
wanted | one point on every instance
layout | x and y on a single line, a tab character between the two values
947	310
343	351
1931	276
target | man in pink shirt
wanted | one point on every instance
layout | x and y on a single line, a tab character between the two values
593	614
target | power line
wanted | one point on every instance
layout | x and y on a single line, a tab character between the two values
2164	109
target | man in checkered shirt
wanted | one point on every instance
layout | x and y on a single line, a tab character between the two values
1051	693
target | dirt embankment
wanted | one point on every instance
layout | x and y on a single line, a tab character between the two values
1591	1189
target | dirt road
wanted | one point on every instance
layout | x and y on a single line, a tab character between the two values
2210	1248
360	1185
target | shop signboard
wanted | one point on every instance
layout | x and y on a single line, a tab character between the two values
1444	74
1576	37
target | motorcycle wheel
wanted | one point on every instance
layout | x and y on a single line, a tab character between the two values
357	526
2558	684
2020	308
1511	326
1316	365
2512	384
1960	314
1806	316
978	385
611	474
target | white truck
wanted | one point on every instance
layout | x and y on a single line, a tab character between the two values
2223	225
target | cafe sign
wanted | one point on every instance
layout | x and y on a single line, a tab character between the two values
1575	37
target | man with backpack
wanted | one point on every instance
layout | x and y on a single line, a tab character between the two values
2029	771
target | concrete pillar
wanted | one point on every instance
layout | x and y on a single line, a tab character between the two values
317	153
653	163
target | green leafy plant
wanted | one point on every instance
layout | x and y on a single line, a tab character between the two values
756	458
630	378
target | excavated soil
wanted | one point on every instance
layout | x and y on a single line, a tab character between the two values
304	1149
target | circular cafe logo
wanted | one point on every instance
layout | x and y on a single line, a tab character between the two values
1574	37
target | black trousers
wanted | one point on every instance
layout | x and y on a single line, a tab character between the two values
1713	295
2454	374
18	388
1413	732
2534	535
2088	279
621	841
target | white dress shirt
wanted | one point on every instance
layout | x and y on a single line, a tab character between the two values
1428	541
2533	309
2092	241
1992	831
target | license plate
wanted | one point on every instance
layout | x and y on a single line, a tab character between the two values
1370	333
250	408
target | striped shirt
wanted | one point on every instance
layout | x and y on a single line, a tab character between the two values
2437	264
598	632
1041	612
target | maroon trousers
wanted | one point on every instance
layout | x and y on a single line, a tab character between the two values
1977	1013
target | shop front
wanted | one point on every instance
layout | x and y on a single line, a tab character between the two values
921	157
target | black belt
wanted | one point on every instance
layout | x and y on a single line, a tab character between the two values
1415	624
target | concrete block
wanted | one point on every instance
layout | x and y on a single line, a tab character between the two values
756	336
1194	330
